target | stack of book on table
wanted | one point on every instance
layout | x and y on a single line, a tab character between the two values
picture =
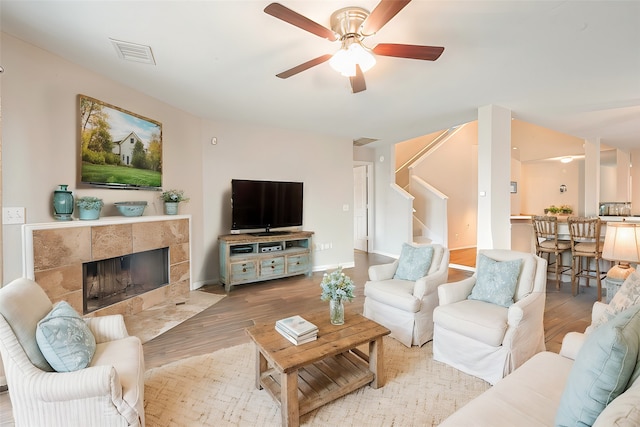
297	330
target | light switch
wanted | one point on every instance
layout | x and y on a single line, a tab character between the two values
13	215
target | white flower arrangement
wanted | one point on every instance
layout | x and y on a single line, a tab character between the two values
337	286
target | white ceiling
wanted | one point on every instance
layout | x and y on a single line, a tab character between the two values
571	66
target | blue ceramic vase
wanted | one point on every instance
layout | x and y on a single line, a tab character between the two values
62	204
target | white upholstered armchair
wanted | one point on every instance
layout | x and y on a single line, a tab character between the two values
490	323
405	307
108	392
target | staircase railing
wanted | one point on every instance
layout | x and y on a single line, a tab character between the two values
402	171
430	212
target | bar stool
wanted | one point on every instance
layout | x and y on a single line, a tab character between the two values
546	236
585	245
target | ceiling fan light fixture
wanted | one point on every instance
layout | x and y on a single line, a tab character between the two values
342	63
352	53
363	57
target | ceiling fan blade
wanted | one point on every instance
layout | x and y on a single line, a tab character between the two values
357	82
294	18
305	66
384	11
427	53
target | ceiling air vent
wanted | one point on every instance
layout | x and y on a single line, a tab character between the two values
363	141
134	52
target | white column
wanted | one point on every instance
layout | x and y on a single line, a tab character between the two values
623	174
494	164
591	198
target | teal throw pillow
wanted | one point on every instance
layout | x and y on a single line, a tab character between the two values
496	280
414	262
65	339
602	370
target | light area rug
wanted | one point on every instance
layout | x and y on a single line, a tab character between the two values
159	318
218	389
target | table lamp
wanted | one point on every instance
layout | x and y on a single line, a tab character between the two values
621	243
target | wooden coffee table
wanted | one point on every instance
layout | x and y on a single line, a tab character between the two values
304	377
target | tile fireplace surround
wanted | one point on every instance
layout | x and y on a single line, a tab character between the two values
54	253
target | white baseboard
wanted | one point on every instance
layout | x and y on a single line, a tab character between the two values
394	256
350	264
201	283
462	267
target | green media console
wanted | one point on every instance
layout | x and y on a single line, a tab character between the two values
248	258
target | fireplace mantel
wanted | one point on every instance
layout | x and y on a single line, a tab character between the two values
55	251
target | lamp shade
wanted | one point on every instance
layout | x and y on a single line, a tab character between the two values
621	242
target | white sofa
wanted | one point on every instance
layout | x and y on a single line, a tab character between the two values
530	396
108	392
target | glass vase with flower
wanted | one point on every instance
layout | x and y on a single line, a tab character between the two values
336	287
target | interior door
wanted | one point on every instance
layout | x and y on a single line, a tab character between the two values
360	208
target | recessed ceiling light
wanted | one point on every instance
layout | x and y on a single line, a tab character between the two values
134	52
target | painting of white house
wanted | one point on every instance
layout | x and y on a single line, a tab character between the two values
119	149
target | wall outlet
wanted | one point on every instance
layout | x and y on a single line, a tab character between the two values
13	215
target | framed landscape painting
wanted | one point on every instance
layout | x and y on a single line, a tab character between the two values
119	149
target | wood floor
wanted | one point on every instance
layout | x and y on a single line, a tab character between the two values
223	324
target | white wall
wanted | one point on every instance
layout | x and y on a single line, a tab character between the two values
41	151
388	239
323	163
541	181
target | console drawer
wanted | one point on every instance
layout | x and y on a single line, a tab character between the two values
272	267
243	271
298	264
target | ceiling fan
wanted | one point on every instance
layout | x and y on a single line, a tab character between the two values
350	26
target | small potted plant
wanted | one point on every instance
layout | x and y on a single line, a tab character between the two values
171	199
89	207
566	210
553	210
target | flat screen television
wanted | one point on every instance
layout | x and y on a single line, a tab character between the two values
265	205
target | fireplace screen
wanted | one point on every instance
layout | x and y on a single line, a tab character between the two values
113	280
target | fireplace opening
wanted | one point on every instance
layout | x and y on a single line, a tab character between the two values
112	280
